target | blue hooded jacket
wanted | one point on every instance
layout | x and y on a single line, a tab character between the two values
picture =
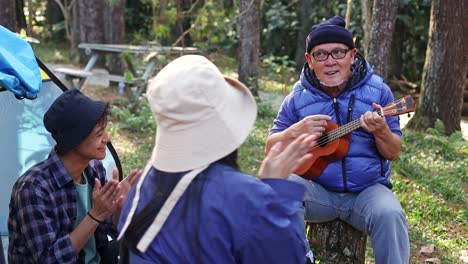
362	166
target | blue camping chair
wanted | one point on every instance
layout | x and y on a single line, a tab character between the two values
27	89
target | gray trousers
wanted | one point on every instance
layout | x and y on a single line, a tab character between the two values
375	211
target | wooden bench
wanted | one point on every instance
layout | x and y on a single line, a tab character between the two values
142	55
72	75
125	86
337	242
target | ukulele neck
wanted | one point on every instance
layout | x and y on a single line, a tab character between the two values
347	128
343	130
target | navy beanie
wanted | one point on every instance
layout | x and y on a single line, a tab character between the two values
71	118
329	31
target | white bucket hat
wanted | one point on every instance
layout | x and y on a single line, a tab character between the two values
201	114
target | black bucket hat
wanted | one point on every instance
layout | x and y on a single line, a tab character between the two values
72	117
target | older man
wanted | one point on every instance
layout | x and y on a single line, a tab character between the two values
337	84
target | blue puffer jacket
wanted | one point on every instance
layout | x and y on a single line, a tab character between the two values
362	166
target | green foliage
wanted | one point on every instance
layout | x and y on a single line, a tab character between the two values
436	161
136	158
413	19
251	153
133	154
53	53
281	25
278	66
265	109
216	29
128	76
277	74
138	120
112	2
430	181
138	21
431	219
163	30
279	28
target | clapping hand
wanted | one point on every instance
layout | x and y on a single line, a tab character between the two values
280	162
108	200
125	185
104	199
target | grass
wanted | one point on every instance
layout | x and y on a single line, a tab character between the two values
431	179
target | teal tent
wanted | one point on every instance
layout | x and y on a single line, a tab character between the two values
27	89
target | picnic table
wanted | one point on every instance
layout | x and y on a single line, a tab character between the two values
133	87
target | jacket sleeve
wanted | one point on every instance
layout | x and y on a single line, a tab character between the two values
39	228
286	115
277	234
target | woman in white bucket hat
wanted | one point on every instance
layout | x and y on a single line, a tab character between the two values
192	204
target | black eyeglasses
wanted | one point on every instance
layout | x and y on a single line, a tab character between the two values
336	54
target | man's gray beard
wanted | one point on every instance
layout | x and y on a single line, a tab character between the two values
332	84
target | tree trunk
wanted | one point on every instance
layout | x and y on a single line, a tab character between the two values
305	23
349	12
384	15
74	27
53	13
366	25
445	67
184	22
91	23
114	24
70	20
8	15
395	61
337	242
30	18
20	17
249	44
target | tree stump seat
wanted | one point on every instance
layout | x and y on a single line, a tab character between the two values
337	242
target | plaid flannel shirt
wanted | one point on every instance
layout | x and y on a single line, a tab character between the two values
43	210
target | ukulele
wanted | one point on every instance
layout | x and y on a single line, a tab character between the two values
334	143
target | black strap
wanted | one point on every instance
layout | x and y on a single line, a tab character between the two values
124	257
350	108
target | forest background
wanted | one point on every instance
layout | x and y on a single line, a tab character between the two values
418	46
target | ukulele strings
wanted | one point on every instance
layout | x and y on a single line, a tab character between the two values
340	131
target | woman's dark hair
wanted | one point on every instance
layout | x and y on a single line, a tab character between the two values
164	184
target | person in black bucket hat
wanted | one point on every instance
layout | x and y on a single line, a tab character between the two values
71	118
337	84
63	209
